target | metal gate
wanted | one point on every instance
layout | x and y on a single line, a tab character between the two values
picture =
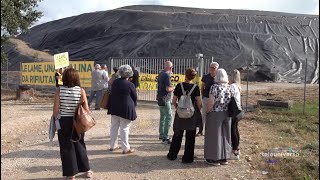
150	67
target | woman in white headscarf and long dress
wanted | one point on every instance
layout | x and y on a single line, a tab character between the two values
217	146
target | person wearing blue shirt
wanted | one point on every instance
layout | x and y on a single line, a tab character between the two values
164	101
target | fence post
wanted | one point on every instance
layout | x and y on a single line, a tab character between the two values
111	63
7	73
20	73
305	86
200	63
202	66
247	88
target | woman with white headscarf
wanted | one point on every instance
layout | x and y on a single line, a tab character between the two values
217	146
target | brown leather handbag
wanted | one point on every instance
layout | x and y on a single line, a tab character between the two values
82	120
105	99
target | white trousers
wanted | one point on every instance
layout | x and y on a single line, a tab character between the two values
124	125
204	111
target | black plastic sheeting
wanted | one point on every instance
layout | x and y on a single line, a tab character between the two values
265	41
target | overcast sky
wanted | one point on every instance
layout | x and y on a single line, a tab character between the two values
57	9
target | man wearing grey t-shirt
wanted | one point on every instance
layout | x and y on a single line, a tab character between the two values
97	85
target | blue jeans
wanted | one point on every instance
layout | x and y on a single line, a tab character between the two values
98	98
165	120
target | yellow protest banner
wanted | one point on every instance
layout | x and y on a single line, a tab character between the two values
61	60
149	81
42	73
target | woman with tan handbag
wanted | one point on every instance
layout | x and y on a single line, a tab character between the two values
73	154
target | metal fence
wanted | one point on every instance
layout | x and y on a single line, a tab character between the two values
149	65
154	65
11	80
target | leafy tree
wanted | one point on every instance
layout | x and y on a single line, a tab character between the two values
16	17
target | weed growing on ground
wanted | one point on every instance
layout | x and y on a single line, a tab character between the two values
294	144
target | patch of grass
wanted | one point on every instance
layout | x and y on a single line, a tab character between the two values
24	49
311	146
294	129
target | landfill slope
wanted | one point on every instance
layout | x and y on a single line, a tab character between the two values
266	41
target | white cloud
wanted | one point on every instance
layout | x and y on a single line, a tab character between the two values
57	9
316	8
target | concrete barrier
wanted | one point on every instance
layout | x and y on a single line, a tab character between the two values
275	103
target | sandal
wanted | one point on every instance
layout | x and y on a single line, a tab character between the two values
89	174
113	149
129	151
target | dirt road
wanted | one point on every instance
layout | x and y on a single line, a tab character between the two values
26	154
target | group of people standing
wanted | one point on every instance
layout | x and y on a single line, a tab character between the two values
211	114
100	82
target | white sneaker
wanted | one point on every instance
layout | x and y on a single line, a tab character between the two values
234	157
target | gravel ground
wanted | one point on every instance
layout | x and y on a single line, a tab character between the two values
27	154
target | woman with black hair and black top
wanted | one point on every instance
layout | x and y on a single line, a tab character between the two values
189	125
74	156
